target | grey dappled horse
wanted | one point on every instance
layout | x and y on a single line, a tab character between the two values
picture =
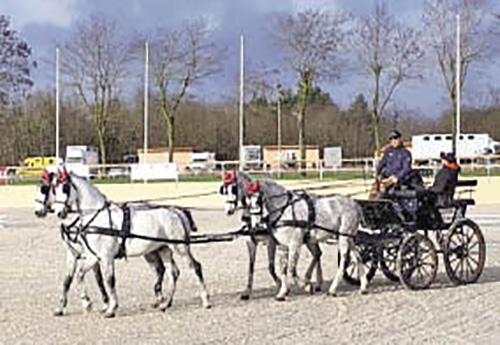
295	218
105	236
235	194
43	205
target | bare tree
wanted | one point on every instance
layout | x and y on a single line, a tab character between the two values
391	53
94	60
179	59
440	21
312	41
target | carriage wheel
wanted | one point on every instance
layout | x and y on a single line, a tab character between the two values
351	274
464	252
417	262
388	261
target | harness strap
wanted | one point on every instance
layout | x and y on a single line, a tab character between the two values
125	232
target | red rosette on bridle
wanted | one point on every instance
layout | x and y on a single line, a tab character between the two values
229	177
45	176
63	176
251	188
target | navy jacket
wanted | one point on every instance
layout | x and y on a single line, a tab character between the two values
396	161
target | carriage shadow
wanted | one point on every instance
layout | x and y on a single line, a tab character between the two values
491	274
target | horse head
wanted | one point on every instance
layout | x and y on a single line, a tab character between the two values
45	194
229	189
65	194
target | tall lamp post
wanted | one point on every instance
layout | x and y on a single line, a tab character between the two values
278	91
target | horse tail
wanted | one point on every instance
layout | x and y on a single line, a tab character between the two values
191	225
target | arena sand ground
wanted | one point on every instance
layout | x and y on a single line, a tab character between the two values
32	262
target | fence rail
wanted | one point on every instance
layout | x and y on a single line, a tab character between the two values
361	167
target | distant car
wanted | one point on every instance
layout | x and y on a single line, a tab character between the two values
118	172
131	159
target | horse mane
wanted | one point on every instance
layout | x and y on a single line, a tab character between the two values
91	189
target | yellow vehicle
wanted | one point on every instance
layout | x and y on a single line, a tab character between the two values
33	166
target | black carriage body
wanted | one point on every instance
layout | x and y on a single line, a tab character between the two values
397	228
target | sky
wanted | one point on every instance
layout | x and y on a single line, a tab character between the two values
43	23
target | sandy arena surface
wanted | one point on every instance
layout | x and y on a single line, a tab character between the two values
32	264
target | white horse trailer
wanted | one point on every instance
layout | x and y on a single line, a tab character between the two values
429	146
81	158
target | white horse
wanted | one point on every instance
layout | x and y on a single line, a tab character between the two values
109	230
294	218
43	205
74	251
233	190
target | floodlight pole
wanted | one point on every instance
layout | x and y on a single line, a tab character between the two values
57	106
242	122
146	84
457	82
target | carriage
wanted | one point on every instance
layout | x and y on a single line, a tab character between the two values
403	234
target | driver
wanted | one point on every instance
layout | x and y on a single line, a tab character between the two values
395	166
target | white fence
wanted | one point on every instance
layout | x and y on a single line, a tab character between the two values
361	167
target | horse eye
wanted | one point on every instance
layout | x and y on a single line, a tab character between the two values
222	190
44	189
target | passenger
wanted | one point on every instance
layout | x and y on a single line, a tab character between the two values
446	180
395	166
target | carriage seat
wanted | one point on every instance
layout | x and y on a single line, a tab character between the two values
459	203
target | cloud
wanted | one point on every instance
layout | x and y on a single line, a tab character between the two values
301	5
27	12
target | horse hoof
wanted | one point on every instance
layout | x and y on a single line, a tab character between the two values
109	315
157	303
280	298
245	297
317	288
165	305
332	293
363	292
58	312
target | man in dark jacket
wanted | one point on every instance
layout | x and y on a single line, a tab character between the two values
395	165
446	179
394	168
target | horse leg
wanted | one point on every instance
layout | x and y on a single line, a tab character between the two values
172	274
315	263
344	252
185	252
154	260
361	268
110	281
85	266
252	250
100	285
71	262
271	255
283	265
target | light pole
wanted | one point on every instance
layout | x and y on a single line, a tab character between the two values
278	90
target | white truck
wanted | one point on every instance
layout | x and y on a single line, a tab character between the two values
81	158
252	157
201	161
427	147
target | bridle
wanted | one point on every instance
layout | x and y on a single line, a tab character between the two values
65	180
